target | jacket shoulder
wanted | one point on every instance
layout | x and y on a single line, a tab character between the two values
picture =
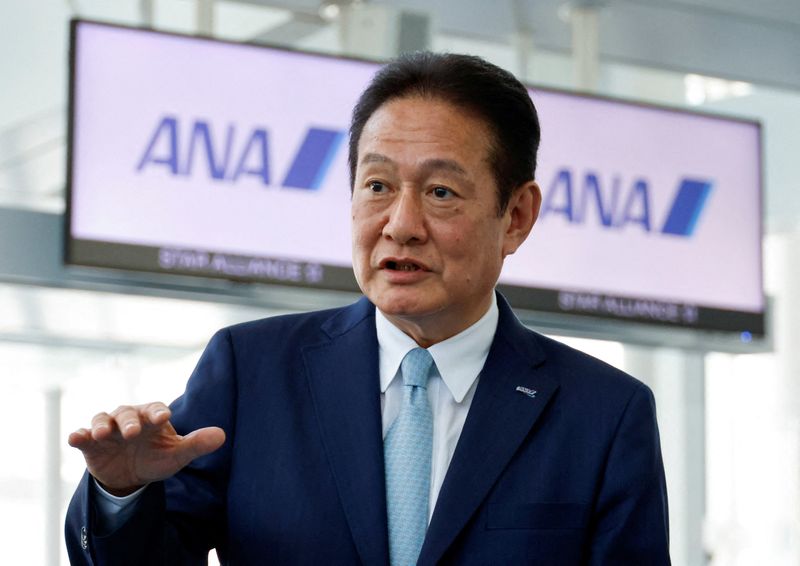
298	328
582	376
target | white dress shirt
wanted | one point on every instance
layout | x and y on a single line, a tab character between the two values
459	360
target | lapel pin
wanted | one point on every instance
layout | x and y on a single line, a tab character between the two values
529	392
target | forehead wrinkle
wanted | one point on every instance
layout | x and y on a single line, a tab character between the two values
433	164
449	165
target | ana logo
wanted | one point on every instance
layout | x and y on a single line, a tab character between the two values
687	207
235	156
618	205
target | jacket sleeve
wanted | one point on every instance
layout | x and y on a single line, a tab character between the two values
177	521
631	523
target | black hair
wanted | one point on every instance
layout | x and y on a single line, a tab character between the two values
489	92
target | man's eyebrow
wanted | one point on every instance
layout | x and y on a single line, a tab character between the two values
375	158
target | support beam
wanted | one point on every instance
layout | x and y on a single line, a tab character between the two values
204	17
677	378
585	46
52	475
787	354
522	39
147	13
382	31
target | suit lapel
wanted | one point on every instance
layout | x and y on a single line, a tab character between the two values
499	420
343	378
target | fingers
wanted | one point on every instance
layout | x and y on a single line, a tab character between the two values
199	443
155	413
128	421
102	426
80	438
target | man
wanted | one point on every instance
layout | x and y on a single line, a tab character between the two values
424	424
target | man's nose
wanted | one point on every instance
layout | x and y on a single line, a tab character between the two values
406	222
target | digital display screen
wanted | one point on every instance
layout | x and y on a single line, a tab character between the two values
195	156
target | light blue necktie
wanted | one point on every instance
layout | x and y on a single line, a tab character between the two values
407	452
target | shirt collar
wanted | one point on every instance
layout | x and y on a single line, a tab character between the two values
459	359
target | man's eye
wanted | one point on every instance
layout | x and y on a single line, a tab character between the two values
442	192
377	186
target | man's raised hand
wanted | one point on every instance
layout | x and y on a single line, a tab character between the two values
136	445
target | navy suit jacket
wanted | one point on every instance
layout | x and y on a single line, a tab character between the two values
571	474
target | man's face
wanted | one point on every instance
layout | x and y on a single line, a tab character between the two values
428	244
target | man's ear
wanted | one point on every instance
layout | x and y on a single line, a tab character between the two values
522	212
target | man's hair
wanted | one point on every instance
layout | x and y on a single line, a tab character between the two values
468	82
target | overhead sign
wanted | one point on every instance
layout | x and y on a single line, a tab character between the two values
194	156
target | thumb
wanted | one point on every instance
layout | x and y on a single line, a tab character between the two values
199	443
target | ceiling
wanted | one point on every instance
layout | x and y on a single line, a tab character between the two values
737	39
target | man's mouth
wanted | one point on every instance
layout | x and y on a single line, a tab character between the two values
396	265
